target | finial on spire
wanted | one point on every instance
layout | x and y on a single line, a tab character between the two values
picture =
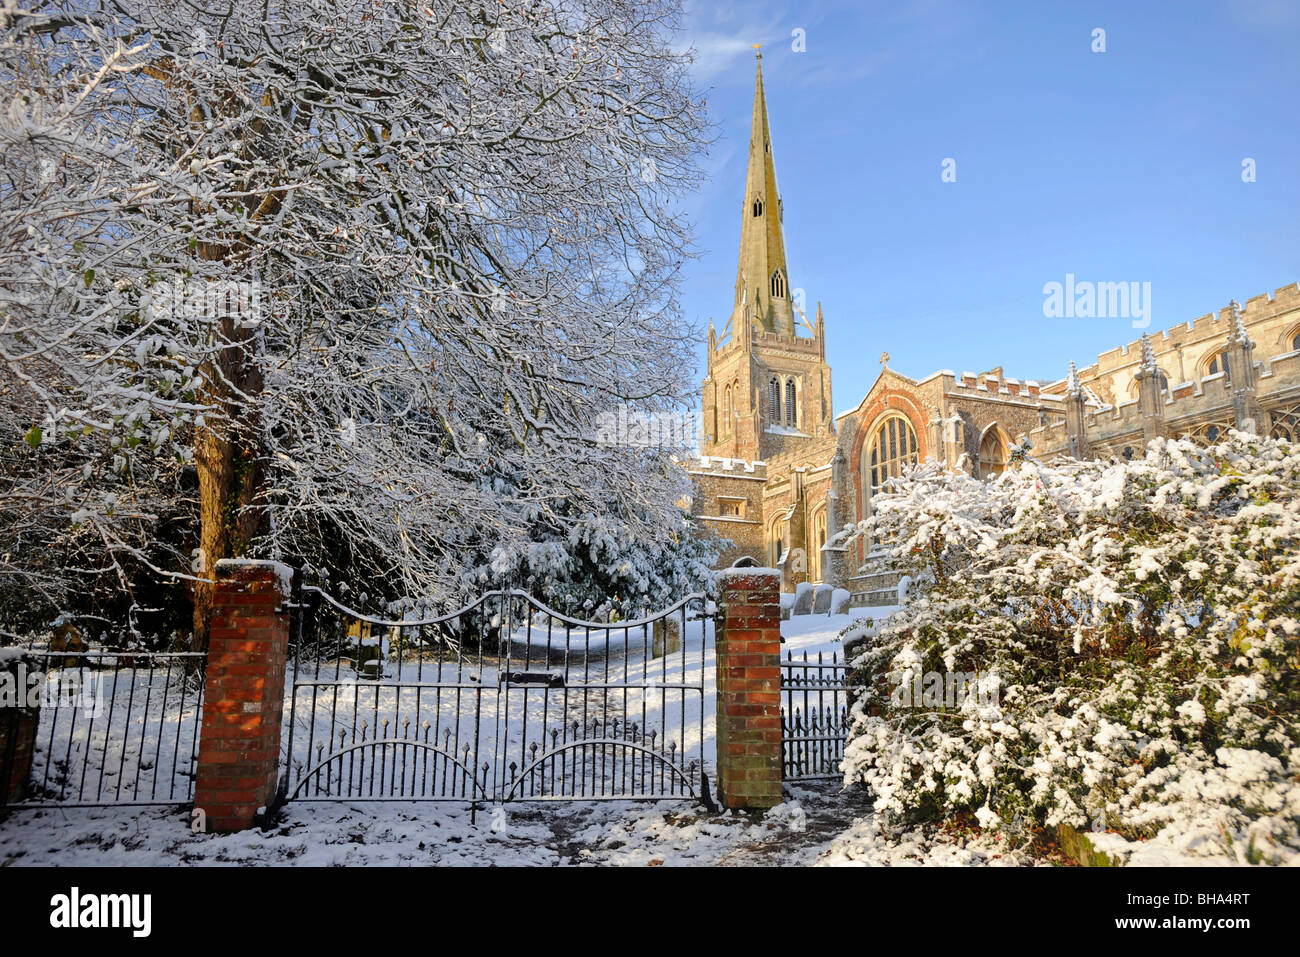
1149	355
1238	335
1072	385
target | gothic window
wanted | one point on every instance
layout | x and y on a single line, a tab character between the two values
790	405
731	507
893	448
1286	424
778	285
758	207
726	412
776	546
1208	434
993	454
774	401
1219	363
1295	342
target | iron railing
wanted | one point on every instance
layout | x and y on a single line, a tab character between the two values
504	699
814	716
114	727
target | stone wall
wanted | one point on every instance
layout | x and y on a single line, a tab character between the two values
718	479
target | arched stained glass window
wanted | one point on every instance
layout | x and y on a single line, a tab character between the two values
893	448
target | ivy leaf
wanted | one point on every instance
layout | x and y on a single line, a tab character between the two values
34	436
89	277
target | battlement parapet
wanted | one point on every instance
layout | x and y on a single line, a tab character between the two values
722	464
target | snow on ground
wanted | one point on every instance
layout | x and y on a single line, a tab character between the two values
820	634
816	826
1161	853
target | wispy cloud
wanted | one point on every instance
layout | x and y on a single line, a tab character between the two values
715	54
721	34
1267	13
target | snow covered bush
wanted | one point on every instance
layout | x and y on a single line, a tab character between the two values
1132	632
606	575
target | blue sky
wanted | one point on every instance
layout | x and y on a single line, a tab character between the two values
1117	166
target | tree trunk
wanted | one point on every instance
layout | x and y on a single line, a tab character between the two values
229	463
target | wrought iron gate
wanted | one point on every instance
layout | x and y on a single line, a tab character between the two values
112	727
814	717
504	699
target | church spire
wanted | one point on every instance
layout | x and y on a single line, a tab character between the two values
762	279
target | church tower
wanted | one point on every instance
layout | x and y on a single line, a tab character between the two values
768	388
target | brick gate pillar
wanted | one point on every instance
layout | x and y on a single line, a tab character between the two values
239	745
748	650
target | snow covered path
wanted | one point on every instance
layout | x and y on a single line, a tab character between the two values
813	827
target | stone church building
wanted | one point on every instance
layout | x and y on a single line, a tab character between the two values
779	473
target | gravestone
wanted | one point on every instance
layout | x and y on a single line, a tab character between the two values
803	599
822	600
667	637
